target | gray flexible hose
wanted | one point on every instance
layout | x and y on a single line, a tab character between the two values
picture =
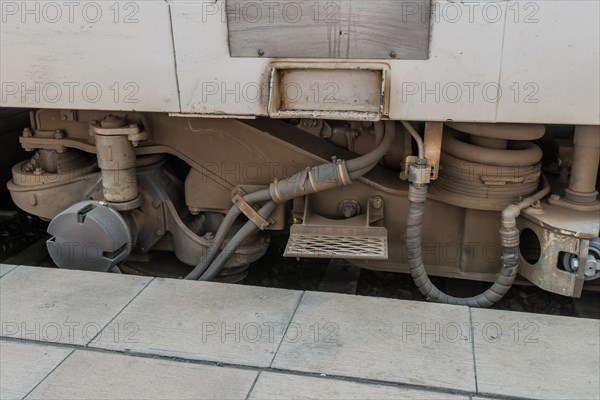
224	228
209	267
509	239
238	239
361	172
510	261
373	157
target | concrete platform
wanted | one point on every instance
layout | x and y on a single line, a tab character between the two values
85	335
5	269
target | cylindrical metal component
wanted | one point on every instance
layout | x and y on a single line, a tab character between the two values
584	171
312	180
48	160
116	159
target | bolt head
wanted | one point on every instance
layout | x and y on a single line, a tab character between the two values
377	203
393	54
261	53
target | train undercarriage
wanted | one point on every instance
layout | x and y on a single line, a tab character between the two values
469	200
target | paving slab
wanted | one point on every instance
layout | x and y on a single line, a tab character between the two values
95	375
6	268
380	339
285	386
536	356
65	306
205	321
24	365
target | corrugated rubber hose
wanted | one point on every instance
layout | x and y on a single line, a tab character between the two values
209	267
509	239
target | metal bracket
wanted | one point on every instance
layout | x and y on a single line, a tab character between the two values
132	131
433	146
558	230
361	237
250	212
433	150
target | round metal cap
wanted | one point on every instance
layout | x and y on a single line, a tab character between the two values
89	236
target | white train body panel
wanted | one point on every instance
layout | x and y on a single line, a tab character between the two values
174	57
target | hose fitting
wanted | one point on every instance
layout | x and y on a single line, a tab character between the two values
311	180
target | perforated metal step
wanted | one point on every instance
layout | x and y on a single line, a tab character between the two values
309	241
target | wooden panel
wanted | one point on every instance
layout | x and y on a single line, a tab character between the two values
359	29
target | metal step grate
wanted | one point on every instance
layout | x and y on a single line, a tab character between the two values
337	242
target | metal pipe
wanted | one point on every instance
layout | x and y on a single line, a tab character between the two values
416	137
584	171
510	213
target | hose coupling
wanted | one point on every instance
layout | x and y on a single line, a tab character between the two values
419	173
311	180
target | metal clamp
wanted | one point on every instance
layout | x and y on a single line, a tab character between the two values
250	212
419	172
